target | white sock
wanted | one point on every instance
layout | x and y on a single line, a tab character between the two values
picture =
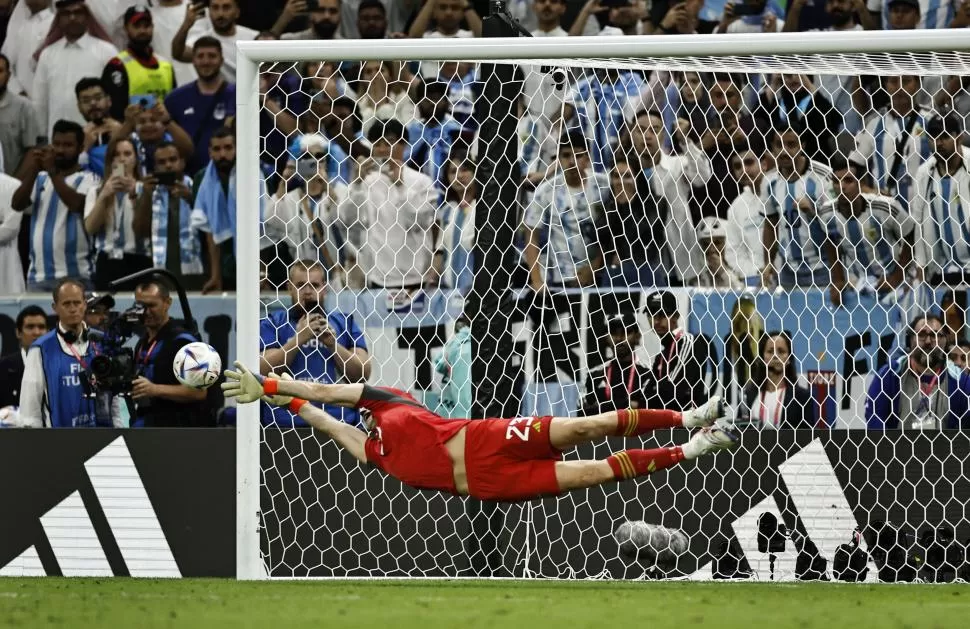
692	449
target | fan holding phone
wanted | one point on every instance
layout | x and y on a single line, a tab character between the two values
751	16
109	214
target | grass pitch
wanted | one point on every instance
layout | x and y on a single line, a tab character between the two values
224	604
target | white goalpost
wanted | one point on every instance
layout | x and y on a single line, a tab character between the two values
812	480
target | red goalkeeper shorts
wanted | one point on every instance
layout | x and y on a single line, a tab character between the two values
510	459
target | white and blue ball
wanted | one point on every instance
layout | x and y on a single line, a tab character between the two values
197	365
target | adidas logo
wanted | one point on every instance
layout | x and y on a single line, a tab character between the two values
134	526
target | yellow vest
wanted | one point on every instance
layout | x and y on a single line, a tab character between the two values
141	80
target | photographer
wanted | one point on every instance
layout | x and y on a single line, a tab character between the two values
312	344
920	391
160	400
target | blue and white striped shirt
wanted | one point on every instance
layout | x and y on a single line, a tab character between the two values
117	236
872	241
565	219
59	246
941	208
800	235
430	145
878	146
599	113
933	13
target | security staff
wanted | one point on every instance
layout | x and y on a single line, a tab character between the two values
677	376
160	399
136	74
619	382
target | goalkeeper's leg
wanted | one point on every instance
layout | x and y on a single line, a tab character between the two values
567	432
632	463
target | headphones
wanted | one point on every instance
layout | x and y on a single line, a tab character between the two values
71	338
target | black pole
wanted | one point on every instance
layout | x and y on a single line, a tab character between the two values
490	303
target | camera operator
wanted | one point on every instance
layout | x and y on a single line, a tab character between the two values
52	393
921	391
160	400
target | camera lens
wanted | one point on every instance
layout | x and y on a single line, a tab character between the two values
101	367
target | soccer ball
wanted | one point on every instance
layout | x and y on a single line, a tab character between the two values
197	365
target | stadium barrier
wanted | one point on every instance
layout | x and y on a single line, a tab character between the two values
836	349
161	503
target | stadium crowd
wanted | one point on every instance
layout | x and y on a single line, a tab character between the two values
117	128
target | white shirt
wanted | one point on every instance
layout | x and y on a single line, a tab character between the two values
11	269
398	106
940	217
291	223
768	408
61	66
430	69
396	220
877	144
23	42
741	26
59	246
33	388
744	251
673	179
117	236
228	47
933	13
167	21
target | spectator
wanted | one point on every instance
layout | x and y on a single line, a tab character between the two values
845	15
894	143
22	42
941	187
961	17
203	106
99	127
455	367
31	325
671	177
561	248
223	15
794	101
774	398
342	126
744	252
109	213
136	75
623	17
383	93
18	123
98	307
873	234
214	191
959	355
149	127
712	237
324	20
279	88
918	392
76	47
598	102
431	138
54	189
911	14
393	206
164	214
680	18
168	16
161	401
448	16
676	377
11	265
458	224
52	393
794	229
620	381
371	21
307	218
630	231
761	19
541	91
311	343
953	312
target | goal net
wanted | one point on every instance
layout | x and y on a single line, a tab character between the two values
501	231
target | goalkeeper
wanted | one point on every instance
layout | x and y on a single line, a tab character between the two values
493	459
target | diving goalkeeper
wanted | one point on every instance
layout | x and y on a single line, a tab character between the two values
505	460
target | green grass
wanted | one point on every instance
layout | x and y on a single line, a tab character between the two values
218	604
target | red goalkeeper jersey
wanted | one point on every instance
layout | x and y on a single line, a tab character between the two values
408	442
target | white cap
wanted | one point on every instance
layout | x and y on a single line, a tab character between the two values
711	227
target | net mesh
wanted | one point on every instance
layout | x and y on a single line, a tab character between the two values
788	206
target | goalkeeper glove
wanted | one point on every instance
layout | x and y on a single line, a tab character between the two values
243	385
278	400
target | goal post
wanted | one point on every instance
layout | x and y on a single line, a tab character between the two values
927	52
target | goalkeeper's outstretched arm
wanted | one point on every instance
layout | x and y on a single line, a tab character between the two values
346	436
247	387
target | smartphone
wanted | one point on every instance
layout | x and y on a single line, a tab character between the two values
166	179
117	169
43	140
745	9
146	101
